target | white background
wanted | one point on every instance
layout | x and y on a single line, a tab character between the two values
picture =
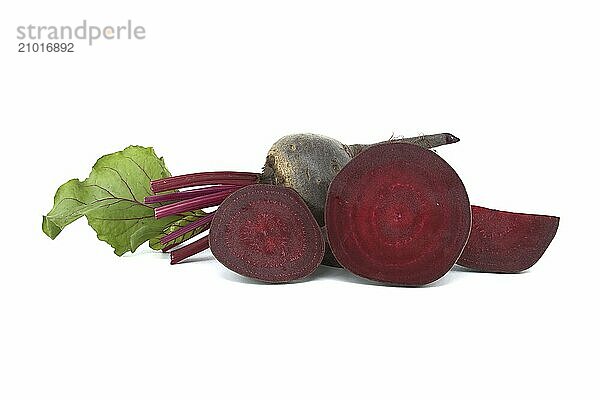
211	87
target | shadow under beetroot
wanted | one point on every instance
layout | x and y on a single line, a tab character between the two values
459	268
325	272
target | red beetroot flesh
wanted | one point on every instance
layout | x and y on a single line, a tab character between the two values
267	233
397	213
503	241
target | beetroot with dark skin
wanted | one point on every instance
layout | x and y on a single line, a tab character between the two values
397	213
502	241
306	163
266	232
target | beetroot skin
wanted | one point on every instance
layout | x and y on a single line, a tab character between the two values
266	232
504	241
397	213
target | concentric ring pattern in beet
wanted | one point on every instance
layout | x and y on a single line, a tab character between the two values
266	232
398	213
503	241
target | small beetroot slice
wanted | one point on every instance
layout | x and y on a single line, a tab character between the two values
397	213
503	241
267	233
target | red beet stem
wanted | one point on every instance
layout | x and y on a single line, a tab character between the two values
175	244
188	194
204	178
188	228
189	250
197	203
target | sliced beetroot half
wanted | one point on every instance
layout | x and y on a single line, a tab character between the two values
504	241
397	213
267	233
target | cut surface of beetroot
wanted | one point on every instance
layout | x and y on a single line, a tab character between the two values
397	213
267	233
503	241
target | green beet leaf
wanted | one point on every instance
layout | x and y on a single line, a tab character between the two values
112	200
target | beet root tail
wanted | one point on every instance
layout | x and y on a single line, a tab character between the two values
425	141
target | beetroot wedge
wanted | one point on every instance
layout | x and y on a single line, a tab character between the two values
503	241
397	213
267	233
